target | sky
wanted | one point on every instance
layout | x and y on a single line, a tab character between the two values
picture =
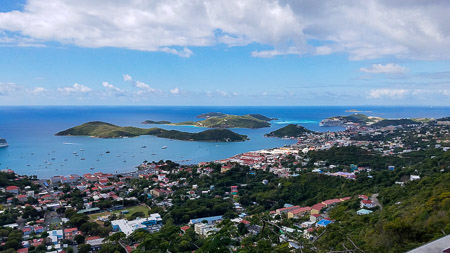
225	52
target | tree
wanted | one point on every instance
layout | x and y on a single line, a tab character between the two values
84	248
79	239
44	235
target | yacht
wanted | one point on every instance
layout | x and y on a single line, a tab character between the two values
3	143
164	147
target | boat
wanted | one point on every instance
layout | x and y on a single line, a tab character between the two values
107	152
164	147
83	158
74	152
144	146
81	149
3	143
92	168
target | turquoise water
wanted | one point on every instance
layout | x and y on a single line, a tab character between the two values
34	149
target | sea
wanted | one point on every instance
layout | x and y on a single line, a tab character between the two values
35	150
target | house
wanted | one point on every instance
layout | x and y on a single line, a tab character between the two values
331	202
27	231
299	212
324	222
315	209
367	204
159	192
314	217
22	198
13	189
55	235
95	242
70	233
286	209
184	228
364	197
363	212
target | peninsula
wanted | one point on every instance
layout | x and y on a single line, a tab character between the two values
221	120
106	130
364	120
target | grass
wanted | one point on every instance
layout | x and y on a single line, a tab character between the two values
131	210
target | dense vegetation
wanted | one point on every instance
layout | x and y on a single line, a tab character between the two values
395	122
162	122
290	130
106	130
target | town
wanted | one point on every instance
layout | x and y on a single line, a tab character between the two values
281	199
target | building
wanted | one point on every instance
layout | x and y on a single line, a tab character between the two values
286	209
70	233
299	212
13	189
324	222
209	220
315	209
363	212
204	230
151	223
367	204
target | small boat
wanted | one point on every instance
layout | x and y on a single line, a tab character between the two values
98	160
65	159
74	152
92	168
81	149
164	147
144	146
53	158
124	161
83	158
107	152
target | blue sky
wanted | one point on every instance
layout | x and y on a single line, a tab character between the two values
63	52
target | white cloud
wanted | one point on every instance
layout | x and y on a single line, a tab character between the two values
113	89
127	78
145	88
363	29
8	88
388	93
175	91
75	88
37	91
389	68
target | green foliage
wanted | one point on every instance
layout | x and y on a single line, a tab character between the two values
290	130
106	130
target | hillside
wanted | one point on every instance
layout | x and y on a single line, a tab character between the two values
105	130
394	122
220	120
290	130
357	118
152	122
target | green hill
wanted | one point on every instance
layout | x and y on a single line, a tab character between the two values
162	122
394	122
105	130
290	130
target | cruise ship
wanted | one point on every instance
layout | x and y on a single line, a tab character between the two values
3	143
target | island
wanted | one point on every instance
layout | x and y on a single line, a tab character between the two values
356	118
289	131
106	130
152	122
221	120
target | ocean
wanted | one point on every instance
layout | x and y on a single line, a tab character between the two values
35	150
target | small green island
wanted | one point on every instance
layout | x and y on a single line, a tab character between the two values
364	120
289	131
221	120
106	130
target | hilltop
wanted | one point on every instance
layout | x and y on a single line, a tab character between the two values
290	130
106	130
221	120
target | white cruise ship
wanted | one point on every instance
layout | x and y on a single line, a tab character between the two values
3	143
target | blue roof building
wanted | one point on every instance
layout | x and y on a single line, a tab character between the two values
210	220
324	223
363	212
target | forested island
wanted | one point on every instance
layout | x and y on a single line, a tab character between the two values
106	130
290	130
364	120
221	120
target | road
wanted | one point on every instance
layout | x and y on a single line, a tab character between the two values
375	201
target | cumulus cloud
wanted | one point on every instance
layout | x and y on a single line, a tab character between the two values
127	78
389	93
145	88
389	68
362	29
75	88
113	89
37	91
8	88
175	91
